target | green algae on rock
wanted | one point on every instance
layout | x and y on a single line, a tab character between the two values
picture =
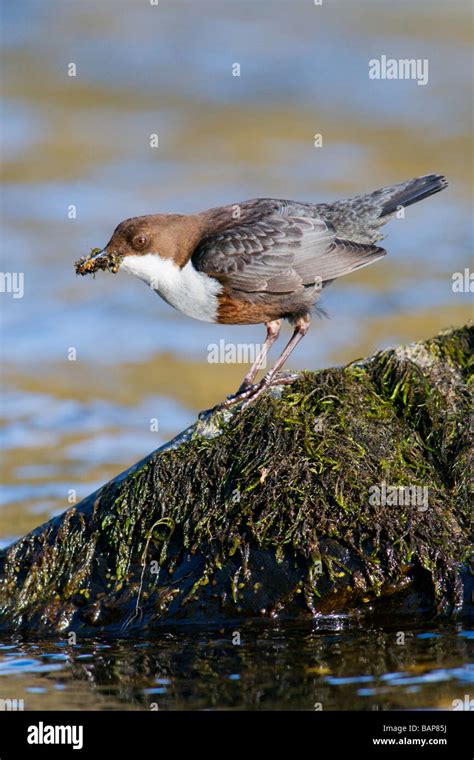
347	492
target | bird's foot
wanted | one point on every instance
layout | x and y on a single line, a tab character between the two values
243	392
288	378
247	394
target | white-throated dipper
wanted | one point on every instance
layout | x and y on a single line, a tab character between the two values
260	261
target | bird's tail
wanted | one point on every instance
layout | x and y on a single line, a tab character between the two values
409	192
360	218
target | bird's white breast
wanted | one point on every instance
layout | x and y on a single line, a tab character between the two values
191	292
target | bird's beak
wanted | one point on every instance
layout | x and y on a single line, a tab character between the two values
96	253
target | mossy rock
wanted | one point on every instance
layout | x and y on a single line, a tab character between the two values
274	511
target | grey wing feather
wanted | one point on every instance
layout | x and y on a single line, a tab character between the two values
280	254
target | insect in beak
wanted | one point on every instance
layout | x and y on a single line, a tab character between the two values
98	258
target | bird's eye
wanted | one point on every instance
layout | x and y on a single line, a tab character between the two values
139	241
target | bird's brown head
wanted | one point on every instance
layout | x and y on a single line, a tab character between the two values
167	235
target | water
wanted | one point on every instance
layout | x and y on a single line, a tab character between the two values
97	373
327	666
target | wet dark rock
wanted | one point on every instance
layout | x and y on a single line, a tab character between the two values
288	509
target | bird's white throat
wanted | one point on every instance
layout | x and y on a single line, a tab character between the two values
191	292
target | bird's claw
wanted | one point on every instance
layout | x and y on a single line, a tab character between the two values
251	393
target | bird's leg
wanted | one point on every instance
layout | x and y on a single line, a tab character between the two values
273	331
301	328
246	387
252	392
